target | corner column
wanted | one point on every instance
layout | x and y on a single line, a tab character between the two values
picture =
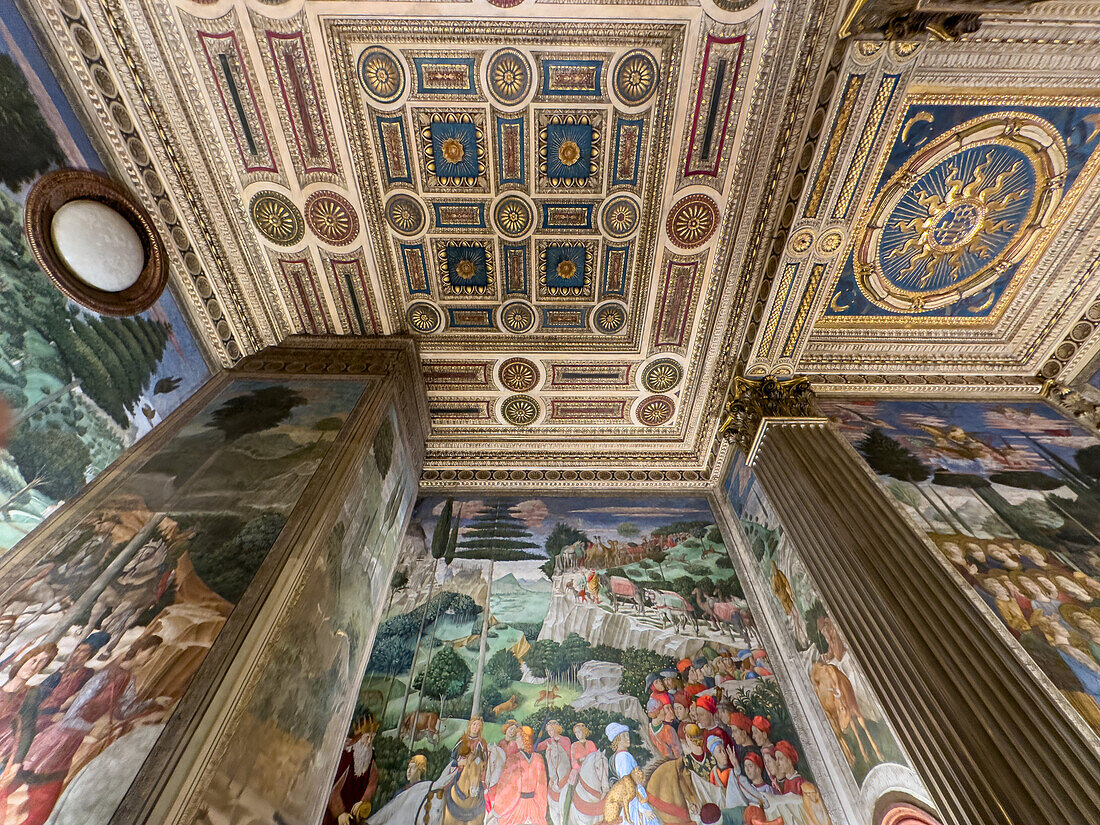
989	741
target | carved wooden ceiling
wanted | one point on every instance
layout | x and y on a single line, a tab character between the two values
591	214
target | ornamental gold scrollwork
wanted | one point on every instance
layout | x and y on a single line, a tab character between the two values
1073	402
753	401
961	212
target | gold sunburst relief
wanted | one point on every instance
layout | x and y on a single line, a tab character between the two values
960	213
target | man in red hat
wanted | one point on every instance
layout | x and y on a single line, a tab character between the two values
786	774
662	731
740	727
706	717
760	731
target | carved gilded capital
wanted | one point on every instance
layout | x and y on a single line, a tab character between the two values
751	402
1073	404
916	20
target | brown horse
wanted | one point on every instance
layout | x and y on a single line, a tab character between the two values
838	699
674	791
462	800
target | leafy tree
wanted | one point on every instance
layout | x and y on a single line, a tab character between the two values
816	611
332	424
228	567
530	630
58	457
447	676
562	536
1026	480
605	653
544	658
30	147
888	457
391	655
1088	460
490	698
504	667
697	529
383	446
255	411
629	530
575	651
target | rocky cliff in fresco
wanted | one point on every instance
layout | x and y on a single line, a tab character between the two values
569	661
82	387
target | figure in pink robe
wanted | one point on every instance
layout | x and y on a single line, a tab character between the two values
520	795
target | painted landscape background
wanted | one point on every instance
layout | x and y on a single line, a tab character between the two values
101	637
82	387
849	703
292	721
614	627
1010	493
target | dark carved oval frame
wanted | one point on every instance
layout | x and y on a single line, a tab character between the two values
54	189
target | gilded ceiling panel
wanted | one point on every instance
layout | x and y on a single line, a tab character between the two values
949	224
501	163
573	186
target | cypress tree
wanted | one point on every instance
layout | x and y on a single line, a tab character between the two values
498	535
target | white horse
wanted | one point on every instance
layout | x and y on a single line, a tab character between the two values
558	767
404	806
593	783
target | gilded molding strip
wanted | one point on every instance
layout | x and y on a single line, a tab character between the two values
781	296
803	310
871	132
837	131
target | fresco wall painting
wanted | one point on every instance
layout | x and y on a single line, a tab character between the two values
835	678
101	635
82	387
1010	494
616	672
291	716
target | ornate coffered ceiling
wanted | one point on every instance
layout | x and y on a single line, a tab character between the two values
949	230
549	196
590	215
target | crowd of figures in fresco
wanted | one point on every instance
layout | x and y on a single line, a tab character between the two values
1010	494
845	696
101	636
559	661
80	388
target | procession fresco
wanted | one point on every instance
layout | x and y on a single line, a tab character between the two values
100	638
1010	494
294	712
616	675
81	387
845	696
